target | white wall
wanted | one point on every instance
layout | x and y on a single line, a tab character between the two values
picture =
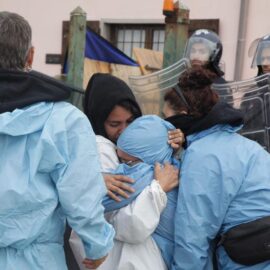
46	19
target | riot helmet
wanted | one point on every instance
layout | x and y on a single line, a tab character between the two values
204	48
261	58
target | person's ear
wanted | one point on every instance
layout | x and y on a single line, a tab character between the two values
30	58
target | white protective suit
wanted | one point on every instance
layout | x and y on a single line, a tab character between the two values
134	248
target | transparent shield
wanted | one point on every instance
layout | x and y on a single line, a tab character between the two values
149	89
253	46
252	97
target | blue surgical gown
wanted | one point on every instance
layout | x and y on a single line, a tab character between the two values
225	181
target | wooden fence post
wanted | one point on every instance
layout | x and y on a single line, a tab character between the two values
176	34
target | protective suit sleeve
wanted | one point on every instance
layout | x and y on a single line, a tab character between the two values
107	154
78	181
137	221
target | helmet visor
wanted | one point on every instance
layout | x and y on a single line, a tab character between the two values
262	54
199	49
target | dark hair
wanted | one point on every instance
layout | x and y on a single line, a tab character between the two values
260	70
195	84
174	101
259	56
129	106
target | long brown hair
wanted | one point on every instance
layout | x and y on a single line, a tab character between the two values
174	101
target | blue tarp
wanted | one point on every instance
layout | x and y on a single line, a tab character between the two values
100	49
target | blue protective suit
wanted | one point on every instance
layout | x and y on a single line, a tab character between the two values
225	181
49	170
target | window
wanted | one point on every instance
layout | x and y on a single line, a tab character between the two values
128	36
150	36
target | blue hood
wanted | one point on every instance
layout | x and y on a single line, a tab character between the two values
152	134
25	121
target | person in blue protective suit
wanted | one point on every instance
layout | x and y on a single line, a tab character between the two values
144	222
49	169
225	185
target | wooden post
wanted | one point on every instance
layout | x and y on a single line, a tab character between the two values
176	34
76	47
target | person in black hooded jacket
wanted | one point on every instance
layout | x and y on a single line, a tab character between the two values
110	106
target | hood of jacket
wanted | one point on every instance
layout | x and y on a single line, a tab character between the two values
26	100
102	94
19	89
25	121
147	139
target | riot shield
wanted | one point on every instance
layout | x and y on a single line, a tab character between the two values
253	98
149	89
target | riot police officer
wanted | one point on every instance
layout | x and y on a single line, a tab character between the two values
204	48
261	58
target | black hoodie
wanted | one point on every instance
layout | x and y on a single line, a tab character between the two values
102	94
19	89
